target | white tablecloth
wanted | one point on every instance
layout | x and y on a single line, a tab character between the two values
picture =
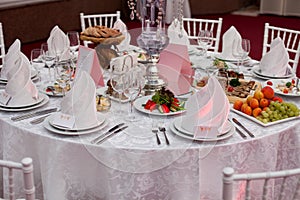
131	165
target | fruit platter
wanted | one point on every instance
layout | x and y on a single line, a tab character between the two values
265	108
163	102
285	87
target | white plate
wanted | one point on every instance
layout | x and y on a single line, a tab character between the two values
221	57
43	89
189	137
263	124
43	102
33	75
277	91
102	91
50	128
138	104
100	118
177	123
39	100
256	70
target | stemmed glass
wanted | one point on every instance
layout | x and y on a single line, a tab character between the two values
64	74
74	41
134	85
241	49
205	40
36	61
117	82
48	59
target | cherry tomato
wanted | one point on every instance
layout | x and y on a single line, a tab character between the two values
230	89
293	81
269	83
285	91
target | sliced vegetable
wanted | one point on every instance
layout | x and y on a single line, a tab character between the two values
163	108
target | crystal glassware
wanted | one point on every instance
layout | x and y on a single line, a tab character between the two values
73	37
36	61
205	40
241	49
48	59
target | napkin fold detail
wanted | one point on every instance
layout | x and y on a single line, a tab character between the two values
11	57
228	43
121	26
177	34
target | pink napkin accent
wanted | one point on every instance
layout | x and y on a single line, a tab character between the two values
80	101
11	57
88	61
206	111
275	61
174	65
19	84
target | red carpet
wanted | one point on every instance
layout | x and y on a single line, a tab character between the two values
249	27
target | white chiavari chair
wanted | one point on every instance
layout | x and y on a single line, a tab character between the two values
2	45
107	20
291	39
229	177
26	167
193	25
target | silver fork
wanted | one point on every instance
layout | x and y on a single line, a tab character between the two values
155	131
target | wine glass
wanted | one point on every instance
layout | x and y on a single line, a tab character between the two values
117	83
134	84
205	40
48	59
241	49
36	61
73	37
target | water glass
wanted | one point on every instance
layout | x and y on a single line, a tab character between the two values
48	59
36	61
241	49
205	40
73	37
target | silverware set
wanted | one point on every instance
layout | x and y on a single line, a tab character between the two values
244	128
112	131
33	114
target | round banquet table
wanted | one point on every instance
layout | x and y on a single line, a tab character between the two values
130	165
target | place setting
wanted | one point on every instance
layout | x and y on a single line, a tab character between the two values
205	118
76	105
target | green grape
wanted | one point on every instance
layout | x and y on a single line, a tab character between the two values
265	121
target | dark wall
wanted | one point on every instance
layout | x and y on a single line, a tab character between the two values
34	22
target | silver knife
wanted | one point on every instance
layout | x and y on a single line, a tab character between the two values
243	127
107	132
33	114
111	134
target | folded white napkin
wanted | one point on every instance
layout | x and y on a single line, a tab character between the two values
10	58
228	46
121	26
80	101
59	44
275	61
123	63
19	84
206	111
177	34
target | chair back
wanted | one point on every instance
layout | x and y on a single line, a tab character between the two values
2	45
27	167
107	20
192	26
229	177
291	39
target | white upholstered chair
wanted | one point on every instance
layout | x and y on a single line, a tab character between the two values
193	25
229	177
2	45
107	20
26	167
291	39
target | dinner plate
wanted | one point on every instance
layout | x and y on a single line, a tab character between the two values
43	89
138	104
34	73
39	100
42	103
100	118
261	123
276	82
190	137
50	128
221	57
256	71
178	125
102	91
